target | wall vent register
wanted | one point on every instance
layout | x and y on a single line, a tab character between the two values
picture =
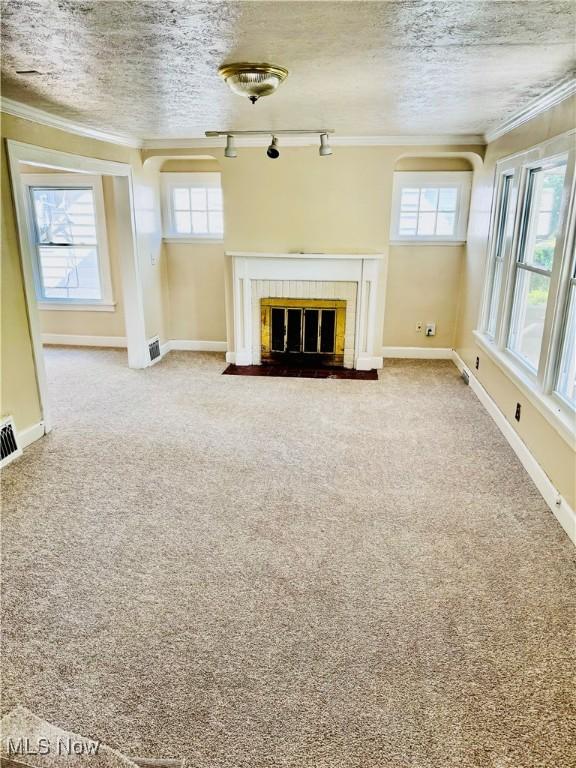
303	331
9	448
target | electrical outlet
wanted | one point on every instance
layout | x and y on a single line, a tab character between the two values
518	411
419	326
430	329
477	363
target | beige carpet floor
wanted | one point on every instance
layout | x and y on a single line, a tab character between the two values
285	573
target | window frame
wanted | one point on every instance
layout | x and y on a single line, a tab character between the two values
191	180
540	385
462	180
72	181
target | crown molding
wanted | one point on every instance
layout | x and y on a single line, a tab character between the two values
456	139
546	101
17	109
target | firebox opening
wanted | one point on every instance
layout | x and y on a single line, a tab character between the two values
303	332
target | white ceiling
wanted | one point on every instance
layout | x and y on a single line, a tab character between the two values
149	68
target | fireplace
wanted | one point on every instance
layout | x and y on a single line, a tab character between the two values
302	331
326	305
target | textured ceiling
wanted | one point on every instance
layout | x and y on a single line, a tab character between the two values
149	68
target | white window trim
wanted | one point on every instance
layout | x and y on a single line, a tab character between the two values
106	303
460	179
171	180
538	388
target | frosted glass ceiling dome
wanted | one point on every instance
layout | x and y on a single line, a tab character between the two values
253	80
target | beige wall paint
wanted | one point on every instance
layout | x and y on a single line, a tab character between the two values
304	202
195	274
423	284
552	452
19	389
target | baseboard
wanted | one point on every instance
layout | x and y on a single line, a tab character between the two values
74	340
368	363
28	436
563	512
194	345
418	353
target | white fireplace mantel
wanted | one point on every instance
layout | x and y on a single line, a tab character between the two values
360	268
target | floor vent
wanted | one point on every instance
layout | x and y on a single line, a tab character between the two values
154	348
9	449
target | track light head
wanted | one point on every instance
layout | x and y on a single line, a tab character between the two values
230	150
325	148
273	152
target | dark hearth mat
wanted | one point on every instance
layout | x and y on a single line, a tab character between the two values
302	373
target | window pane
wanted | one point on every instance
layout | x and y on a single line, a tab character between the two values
528	311
445	223
545	187
447	199
198	197
426	223
214	199
567	370
181	199
409	201
64	216
70	273
199	222
183	222
428	199
215	223
408	223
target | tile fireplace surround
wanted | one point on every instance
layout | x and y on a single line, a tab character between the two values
353	277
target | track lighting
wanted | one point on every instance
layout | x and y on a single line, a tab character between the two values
273	152
325	148
230	150
250	139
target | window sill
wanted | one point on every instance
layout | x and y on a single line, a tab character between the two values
558	415
101	306
188	239
418	241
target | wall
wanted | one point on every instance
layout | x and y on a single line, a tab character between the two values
552	452
303	202
19	395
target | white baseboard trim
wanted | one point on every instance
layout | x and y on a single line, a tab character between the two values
28	436
368	363
563	512
418	353
74	340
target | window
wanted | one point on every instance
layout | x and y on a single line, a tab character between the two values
528	319
430	207
192	205
68	230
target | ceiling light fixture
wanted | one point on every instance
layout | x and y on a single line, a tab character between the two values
272	151
253	80
230	150
325	148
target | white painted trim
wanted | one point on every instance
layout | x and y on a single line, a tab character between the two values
546	101
418	353
67	306
17	109
444	139
75	340
195	345
180	239
563	512
28	436
305	255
